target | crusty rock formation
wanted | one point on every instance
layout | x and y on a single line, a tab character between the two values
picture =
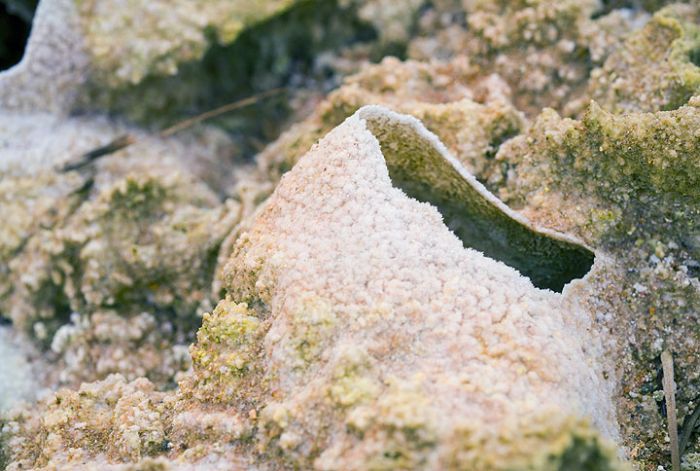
656	67
482	336
410	350
359	333
628	186
544	49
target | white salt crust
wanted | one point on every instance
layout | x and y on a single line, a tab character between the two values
54	66
471	334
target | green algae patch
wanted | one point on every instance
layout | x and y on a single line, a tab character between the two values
560	443
310	325
227	351
137	253
644	153
405	424
656	68
618	164
352	384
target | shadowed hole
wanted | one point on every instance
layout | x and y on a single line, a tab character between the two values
694	57
15	24
415	166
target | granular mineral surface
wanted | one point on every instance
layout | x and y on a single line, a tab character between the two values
350	235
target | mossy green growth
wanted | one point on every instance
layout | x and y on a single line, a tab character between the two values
149	232
643	154
657	67
132	194
227	349
351	384
649	160
140	246
404	424
311	323
546	443
584	453
231	329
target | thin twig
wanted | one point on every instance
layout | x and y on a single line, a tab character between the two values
127	140
218	111
110	148
689	424
670	394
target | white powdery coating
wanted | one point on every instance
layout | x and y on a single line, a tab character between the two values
37	94
483	344
54	65
34	142
17	383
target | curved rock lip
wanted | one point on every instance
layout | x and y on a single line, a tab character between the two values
424	169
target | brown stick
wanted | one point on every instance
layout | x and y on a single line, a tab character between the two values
117	144
670	394
218	111
126	140
687	429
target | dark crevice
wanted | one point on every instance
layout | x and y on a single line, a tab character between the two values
693	269
15	24
281	51
689	427
548	262
416	167
607	6
694	57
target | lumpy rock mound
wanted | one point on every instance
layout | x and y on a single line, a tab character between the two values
390	345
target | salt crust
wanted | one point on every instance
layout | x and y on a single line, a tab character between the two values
468	332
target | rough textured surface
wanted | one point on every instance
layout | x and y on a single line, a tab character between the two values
82	240
656	67
543	49
444	379
109	269
426	355
79	242
629	186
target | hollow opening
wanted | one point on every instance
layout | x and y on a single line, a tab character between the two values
694	57
423	172
607	6
15	24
